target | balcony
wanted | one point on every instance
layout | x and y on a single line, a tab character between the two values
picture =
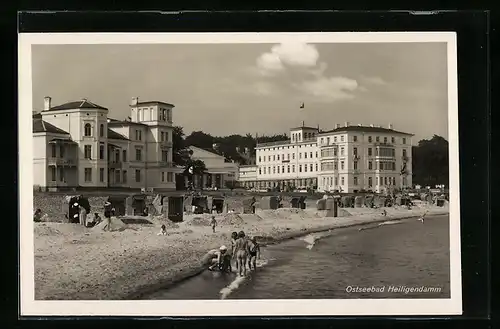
53	161
166	144
165	164
115	164
385	144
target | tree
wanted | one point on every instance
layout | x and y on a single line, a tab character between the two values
181	153
430	162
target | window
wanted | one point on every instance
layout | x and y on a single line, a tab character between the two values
137	175
355	151
316	154
124	156
170	177
385	180
377	139
162	176
342	138
385	139
370	165
369	139
377	180
355	180
305	155
370	182
336	181
335	139
269	170
355	163
392	140
53	173
393	180
369	151
268	158
310	155
61	174
117	176
101	151
311	167
278	157
260	159
316	167
87	130
288	156
322	140
162	136
88	174
53	150
274	157
293	137
293	155
300	155
342	165
328	141
260	171
288	169
404	140
293	168
336	165
61	151
101	175
278	169
342	180
354	138
264	170
341	151
305	168
404	152
101	130
87	150
138	154
300	168
335	151
124	177
282	169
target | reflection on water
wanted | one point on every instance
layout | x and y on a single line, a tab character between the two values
386	260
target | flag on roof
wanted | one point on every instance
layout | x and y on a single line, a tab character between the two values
302	105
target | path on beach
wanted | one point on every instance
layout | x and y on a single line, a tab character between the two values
405	254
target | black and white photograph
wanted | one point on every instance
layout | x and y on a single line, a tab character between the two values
224	174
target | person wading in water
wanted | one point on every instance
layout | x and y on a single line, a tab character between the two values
253	253
241	249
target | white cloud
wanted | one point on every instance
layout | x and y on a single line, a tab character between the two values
264	88
373	81
329	89
287	54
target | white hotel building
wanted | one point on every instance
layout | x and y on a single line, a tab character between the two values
346	159
76	145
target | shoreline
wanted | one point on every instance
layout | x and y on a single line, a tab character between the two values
293	235
85	264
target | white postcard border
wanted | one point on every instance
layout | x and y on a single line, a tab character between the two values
186	308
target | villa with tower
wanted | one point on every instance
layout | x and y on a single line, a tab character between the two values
76	145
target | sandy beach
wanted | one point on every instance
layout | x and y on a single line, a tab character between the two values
77	263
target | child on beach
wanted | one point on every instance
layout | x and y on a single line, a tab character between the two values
253	253
213	223
163	230
421	219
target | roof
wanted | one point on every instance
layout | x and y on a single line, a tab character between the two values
40	126
151	102
367	129
114	135
313	128
82	104
115	123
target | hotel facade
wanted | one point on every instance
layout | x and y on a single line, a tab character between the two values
76	145
346	159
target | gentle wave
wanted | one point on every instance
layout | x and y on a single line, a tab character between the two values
235	284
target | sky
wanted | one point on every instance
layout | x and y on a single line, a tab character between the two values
225	89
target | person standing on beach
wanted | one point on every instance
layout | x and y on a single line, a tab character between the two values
241	248
213	223
107	214
253	253
234	237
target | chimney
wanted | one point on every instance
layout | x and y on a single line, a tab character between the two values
337	126
391	126
347	123
134	101
46	103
